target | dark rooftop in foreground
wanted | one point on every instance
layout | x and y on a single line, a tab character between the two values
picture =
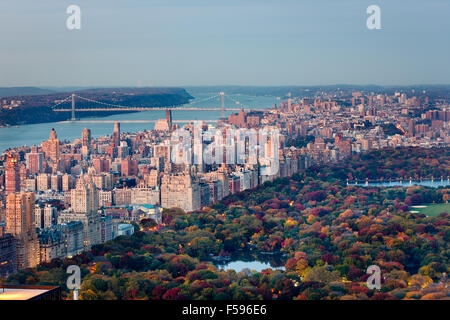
18	292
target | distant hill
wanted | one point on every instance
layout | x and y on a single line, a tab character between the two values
23	91
433	91
281	91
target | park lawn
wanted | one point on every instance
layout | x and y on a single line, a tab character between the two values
433	210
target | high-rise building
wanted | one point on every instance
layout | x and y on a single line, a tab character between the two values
100	165
86	142
43	182
20	223
39	216
116	134
169	118
129	167
67	182
73	236
162	151
34	162
51	146
86	137
84	198
56	182
289	102
84	208
23	175
49	216
411	128
12	174
180	191
107	229
8	254
30	184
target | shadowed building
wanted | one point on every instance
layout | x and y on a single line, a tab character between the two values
8	253
20	223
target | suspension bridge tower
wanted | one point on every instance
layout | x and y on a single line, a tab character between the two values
73	107
222	95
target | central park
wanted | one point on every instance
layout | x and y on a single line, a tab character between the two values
325	233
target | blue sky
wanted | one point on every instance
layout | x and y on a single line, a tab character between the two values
219	42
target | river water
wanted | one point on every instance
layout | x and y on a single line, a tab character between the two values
34	134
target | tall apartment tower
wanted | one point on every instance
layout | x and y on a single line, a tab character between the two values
84	198
51	146
180	191
20	209
34	162
12	174
86	137
411	128
86	142
289	102
116	134
169	118
85	205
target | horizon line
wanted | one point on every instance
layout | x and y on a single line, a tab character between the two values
227	85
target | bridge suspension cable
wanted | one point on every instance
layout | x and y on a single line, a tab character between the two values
237	102
61	102
100	102
117	107
122	106
203	100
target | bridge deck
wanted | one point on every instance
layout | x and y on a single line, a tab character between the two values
155	109
131	121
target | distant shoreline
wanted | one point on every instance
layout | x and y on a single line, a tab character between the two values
35	109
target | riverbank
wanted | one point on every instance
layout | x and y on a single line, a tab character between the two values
34	134
33	109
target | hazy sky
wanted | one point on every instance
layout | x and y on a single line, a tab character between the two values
215	42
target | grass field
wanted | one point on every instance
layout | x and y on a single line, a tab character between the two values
432	210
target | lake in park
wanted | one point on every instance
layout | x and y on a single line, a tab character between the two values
257	262
407	183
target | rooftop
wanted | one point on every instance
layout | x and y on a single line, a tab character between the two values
13	292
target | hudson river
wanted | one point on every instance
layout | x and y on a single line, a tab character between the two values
34	134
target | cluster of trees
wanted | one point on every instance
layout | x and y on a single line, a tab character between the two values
390	163
328	232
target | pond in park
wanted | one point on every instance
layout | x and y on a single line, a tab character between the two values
256	262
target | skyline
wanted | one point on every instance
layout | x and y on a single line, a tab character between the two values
305	179
257	43
75	87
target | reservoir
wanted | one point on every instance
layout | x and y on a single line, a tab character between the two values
425	183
